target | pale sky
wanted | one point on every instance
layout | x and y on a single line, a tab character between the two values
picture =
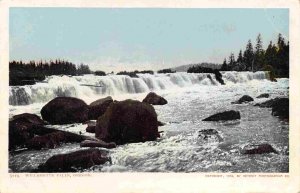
113	39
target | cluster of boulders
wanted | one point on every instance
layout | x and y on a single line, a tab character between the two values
280	108
117	122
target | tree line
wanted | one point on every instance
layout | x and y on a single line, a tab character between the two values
22	73
274	59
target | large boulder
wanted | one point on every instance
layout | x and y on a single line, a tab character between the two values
98	107
21	128
128	121
280	108
243	99
224	116
258	149
65	110
70	162
154	99
98	143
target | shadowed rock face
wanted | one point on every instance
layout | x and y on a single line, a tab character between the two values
69	162
224	116
243	99
258	149
21	128
268	103
154	99
280	108
54	139
98	107
128	121
265	95
91	127
65	110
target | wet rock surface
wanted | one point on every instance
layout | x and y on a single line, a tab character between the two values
154	99
73	161
224	116
65	110
98	107
128	121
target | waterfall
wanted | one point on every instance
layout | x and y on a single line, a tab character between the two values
93	86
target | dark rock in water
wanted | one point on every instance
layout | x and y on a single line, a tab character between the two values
243	99
224	116
65	110
54	139
153	99
20	128
265	95
280	108
219	76
28	129
268	103
258	149
273	102
98	143
98	107
209	133
69	162
48	141
91	127
159	123
29	118
128	121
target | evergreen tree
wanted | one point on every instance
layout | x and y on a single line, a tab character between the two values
224	66
259	54
248	56
231	64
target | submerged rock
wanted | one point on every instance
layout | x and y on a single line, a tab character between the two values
159	123
210	133
258	149
65	110
224	116
128	121
98	107
69	162
268	103
91	127
243	99
264	95
98	143
54	139
154	99
280	108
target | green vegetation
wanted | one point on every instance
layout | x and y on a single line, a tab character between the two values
21	73
274	59
168	70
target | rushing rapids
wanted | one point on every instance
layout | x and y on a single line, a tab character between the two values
90	86
187	144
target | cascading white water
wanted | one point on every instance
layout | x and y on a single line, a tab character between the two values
93	86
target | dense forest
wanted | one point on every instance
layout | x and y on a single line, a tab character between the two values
274	59
21	73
